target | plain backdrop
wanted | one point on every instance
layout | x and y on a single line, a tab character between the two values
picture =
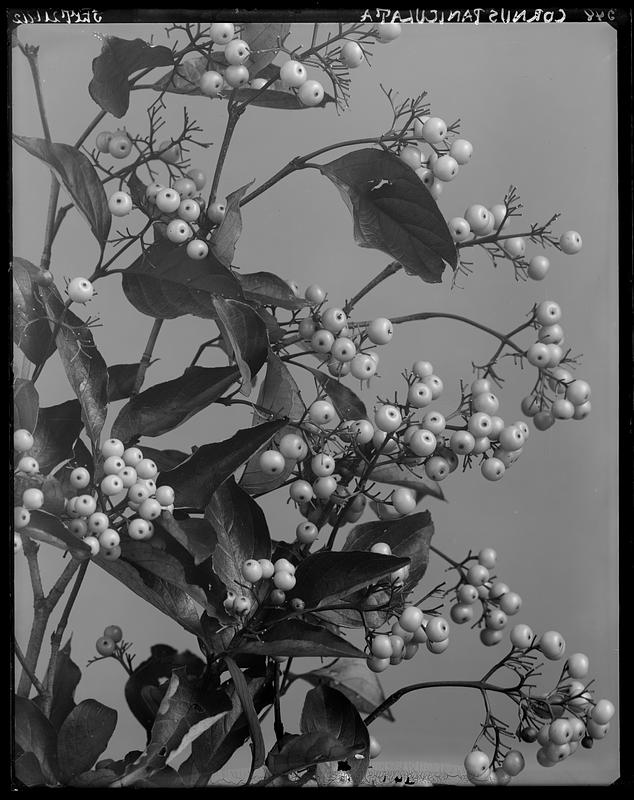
539	104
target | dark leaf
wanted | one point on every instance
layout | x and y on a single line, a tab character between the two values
223	243
279	393
274	330
94	779
352	678
84	736
216	636
35	734
408	537
31	330
137	189
267	289
297	752
398	475
393	211
85	368
165	459
166	778
325	577
246	700
296	638
181	717
67	677
26	404
196	479
55	434
121	379
212	750
246	332
264	39
144	691
329	711
241	533
28	770
346	403
164	282
49	529
164	595
154	560
165	406
78	176
120	58
196	535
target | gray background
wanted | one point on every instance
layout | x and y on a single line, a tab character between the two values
539	103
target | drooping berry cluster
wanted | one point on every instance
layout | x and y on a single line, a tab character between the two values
569	397
478	584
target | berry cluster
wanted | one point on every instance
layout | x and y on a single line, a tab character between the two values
498	601
178	206
480	771
31	498
107	644
128	482
407	633
280	577
570	397
235	75
558	721
567	716
337	341
442	160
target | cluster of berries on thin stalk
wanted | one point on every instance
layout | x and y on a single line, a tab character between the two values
98	512
559	721
236	54
111	645
487	227
479	584
410	629
556	395
266	580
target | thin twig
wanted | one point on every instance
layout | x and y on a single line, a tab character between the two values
147	356
20	656
385	273
56	637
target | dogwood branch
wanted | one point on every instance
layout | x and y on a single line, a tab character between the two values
147	356
481	686
56	638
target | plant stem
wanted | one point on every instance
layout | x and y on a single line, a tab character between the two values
385	273
51	227
42	609
56	637
396	696
234	114
21	658
31	54
278	725
300	162
423	315
89	129
147	356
